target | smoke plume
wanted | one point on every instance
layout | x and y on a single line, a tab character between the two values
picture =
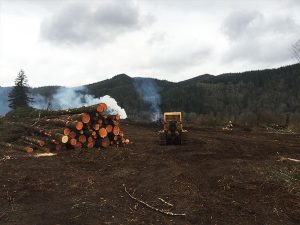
66	98
4	108
148	90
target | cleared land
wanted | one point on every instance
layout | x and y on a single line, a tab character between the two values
219	177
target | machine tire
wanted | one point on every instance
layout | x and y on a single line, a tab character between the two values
184	138
162	138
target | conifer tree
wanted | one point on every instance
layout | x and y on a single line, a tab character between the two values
19	95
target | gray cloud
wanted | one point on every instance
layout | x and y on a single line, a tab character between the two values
80	23
254	37
293	3
238	23
156	38
175	62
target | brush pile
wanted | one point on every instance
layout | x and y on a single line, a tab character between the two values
85	127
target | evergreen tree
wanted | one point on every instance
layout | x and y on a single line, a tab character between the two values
19	95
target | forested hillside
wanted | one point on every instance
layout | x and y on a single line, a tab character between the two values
253	97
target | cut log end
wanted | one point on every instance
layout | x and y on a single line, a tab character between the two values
109	128
67	131
103	132
64	139
82	139
90	139
29	149
72	134
102	107
116	130
73	142
90	145
85	117
96	126
117	117
79	126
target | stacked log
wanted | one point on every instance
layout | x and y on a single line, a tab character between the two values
82	128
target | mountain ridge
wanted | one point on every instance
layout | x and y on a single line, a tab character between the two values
201	77
252	95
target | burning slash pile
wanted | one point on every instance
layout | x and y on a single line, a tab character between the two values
86	127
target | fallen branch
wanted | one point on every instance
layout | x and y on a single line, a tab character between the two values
46	154
167	203
151	207
6	157
37	120
282	158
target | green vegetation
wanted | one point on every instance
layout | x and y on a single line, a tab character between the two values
23	114
249	98
19	95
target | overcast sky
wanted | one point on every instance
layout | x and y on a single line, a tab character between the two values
72	42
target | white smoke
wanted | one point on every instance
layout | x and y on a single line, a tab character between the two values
67	98
4	92
113	107
148	90
39	101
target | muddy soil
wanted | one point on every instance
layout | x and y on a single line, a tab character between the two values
218	177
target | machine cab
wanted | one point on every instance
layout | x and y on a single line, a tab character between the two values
172	119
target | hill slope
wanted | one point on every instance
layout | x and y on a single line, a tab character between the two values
252	97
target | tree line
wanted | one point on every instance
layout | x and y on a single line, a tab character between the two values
249	98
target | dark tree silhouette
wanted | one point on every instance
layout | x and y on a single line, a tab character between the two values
19	95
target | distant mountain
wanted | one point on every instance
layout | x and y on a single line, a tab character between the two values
4	91
249	97
201	78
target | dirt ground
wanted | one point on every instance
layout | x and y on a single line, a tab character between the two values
219	177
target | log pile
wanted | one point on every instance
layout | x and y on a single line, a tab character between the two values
82	128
